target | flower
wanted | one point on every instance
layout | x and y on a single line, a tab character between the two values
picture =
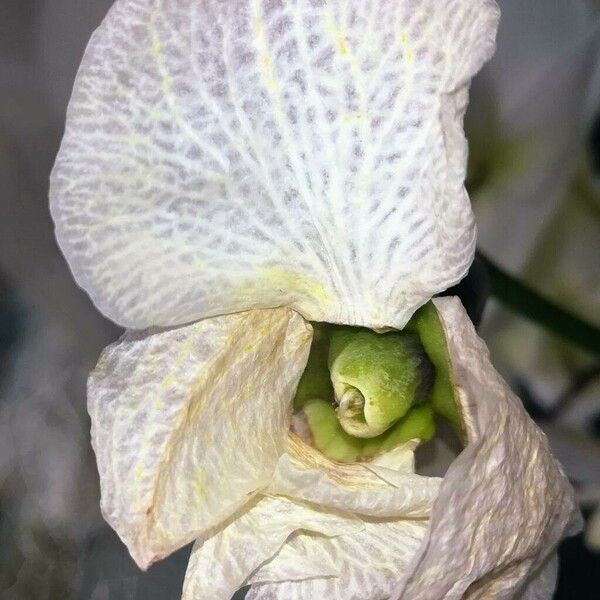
231	173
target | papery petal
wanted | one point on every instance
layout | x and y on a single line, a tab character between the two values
305	474
541	584
189	423
328	532
326	552
223	562
221	156
504	503
369	563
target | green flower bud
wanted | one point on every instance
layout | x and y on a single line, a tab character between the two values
315	381
426	324
363	393
376	378
329	438
327	434
417	424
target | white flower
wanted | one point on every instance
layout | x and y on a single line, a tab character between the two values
232	171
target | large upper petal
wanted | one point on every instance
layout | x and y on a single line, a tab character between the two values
189	423
504	503
221	156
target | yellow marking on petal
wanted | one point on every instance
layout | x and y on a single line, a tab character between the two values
376	314
167	85
404	42
354	117
338	35
287	281
341	44
264	56
156	49
184	352
167	381
138	473
200	482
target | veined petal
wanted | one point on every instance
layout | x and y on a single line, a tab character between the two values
189	423
504	503
332	530
369	563
221	156
223	562
305	474
278	542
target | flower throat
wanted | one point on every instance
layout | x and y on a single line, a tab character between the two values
363	393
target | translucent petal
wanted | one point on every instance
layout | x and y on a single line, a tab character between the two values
222	563
364	488
221	156
189	423
504	503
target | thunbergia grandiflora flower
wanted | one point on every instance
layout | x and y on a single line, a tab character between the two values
234	175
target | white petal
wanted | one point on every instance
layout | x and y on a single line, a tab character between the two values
188	424
319	544
221	156
370	563
223	562
504	503
542	584
367	489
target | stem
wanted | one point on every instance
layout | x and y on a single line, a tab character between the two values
523	300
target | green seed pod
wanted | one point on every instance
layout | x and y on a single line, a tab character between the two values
376	378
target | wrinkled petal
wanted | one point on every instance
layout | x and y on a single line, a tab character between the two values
305	474
541	584
504	503
222	563
328	554
189	423
324	528
221	156
369	563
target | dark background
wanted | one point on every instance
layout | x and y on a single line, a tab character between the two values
534	131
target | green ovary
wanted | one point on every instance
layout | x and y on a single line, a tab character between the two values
364	393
